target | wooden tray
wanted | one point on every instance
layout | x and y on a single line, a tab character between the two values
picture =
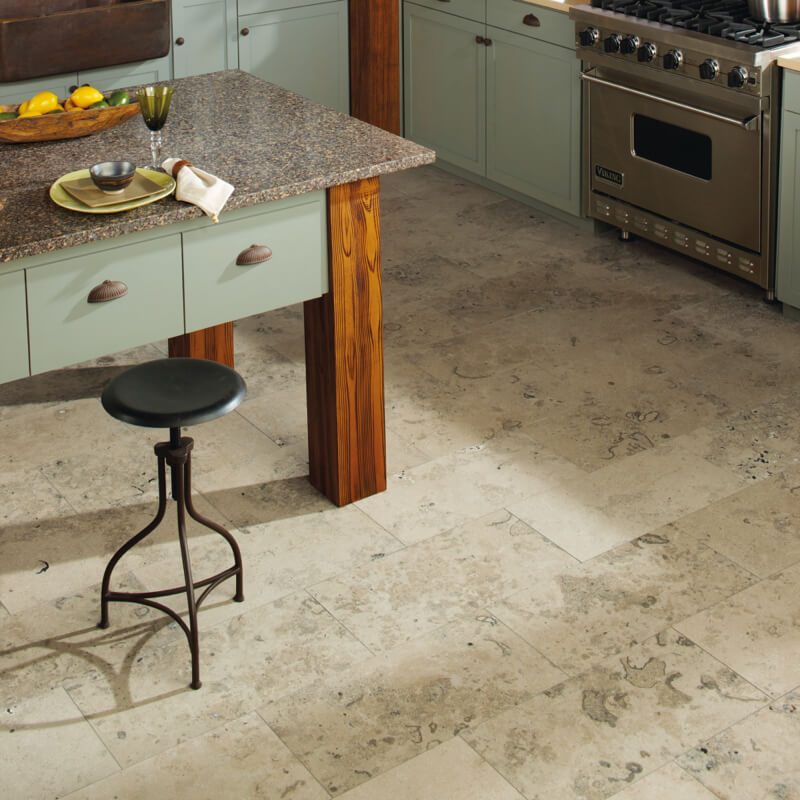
69	125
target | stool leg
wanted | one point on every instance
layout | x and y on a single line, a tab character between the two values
196	515
179	482
162	505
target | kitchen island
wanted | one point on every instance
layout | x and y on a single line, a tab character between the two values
306	184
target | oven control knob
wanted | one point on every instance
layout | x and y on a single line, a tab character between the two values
612	43
737	77
709	69
589	37
647	52
629	44
673	59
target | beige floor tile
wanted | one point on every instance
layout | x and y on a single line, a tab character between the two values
400	704
49	749
145	704
408	593
757	527
579	614
592	735
754	758
243	759
28	498
755	632
591	514
668	782
450	771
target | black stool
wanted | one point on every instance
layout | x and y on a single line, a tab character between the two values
172	393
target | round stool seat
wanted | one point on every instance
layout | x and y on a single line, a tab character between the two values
173	392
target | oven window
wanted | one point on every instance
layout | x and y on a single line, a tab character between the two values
678	148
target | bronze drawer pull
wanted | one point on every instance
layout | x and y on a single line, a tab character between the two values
254	254
245	31
532	20
480	40
179	41
107	290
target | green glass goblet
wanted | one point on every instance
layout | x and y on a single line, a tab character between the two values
154	104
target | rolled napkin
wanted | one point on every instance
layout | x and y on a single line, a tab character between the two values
208	192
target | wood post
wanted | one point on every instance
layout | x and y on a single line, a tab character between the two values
215	344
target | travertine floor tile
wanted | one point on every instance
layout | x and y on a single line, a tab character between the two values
668	782
243	759
754	758
755	632
48	749
757	527
450	771
245	662
590	736
408	593
397	705
579	614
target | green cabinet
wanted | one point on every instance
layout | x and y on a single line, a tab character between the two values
13	327
303	48
204	36
787	258
494	88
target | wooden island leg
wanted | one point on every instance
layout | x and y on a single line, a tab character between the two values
215	344
344	353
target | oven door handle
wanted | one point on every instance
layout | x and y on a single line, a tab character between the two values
749	124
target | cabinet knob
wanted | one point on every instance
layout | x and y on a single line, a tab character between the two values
107	290
73	88
245	31
487	42
179	41
532	20
254	254
480	40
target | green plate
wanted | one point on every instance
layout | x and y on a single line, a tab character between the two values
62	198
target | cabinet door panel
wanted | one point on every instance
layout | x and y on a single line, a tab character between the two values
105	79
64	328
13	327
209	34
533	119
19	91
787	268
304	50
445	86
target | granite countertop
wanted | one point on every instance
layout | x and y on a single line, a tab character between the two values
266	141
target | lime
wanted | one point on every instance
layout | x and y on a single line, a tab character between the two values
56	111
7	115
119	98
99	104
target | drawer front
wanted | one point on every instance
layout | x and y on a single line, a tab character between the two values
513	15
791	91
217	289
470	9
13	327
65	328
260	6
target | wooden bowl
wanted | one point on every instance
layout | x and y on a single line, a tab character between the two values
69	125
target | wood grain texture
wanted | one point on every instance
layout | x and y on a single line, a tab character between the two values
215	344
69	125
375	63
344	353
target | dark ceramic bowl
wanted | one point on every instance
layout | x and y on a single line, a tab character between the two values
112	176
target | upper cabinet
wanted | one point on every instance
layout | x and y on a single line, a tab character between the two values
204	36
303	48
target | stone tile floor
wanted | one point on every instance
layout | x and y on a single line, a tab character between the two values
580	583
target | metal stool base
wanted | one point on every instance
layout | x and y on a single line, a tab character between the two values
176	453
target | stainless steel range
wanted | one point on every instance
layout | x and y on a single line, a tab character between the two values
681	112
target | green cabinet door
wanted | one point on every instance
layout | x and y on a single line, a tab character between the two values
19	91
787	266
302	49
105	79
13	327
445	85
204	36
533	118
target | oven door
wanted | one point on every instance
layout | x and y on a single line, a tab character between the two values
680	160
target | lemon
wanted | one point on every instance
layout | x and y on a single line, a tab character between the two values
84	96
23	107
42	103
30	114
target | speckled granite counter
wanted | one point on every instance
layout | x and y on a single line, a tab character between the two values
267	142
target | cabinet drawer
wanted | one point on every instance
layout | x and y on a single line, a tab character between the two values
791	91
13	327
513	15
260	6
470	9
218	290
65	328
